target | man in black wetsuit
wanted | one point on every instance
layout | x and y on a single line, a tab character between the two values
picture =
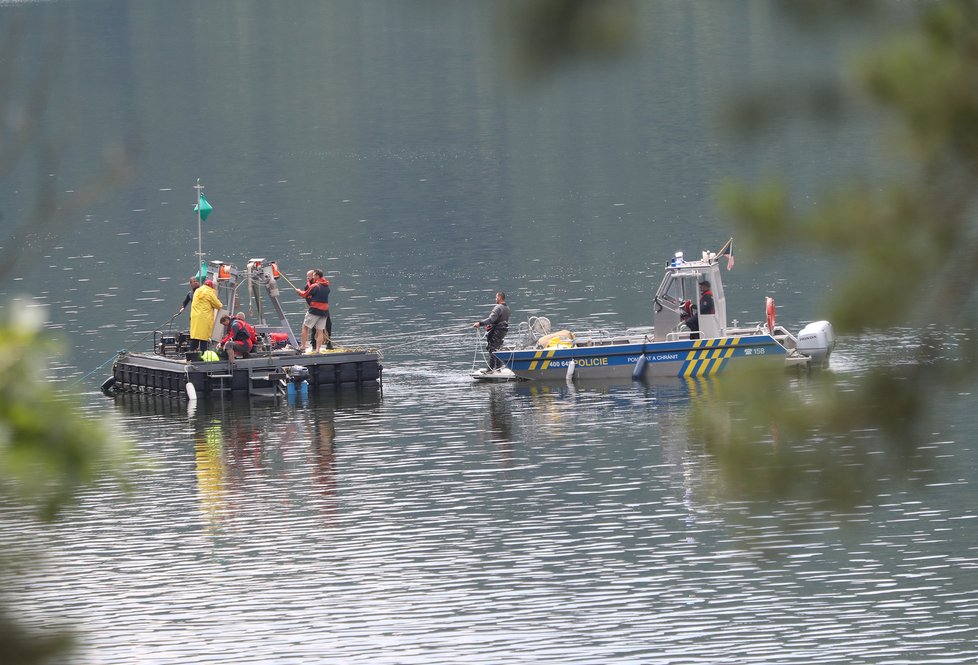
190	295
497	325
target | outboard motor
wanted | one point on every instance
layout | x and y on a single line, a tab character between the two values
297	374
296	380
816	340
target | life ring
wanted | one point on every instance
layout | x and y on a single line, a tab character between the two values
769	310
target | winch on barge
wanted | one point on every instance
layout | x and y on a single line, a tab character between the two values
273	365
669	347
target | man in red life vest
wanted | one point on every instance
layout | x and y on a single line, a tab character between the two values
240	339
317	318
706	306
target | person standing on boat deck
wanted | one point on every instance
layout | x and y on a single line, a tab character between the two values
310	280
706	306
317	319
321	278
205	304
194	285
497	325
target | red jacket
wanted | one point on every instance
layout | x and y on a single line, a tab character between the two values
317	295
241	331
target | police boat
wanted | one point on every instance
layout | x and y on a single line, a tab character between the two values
671	347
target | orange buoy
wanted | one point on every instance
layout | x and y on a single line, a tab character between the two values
769	310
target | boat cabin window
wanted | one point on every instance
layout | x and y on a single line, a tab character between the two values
680	288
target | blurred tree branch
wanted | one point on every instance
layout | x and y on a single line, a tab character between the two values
549	33
908	249
24	103
48	449
911	236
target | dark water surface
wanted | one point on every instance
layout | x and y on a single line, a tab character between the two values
432	520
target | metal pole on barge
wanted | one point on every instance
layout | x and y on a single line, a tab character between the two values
200	251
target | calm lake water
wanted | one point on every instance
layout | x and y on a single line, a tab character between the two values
430	519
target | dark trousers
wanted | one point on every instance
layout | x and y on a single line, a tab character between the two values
239	347
494	341
198	345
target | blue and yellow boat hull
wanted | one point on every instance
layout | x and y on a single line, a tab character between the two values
685	358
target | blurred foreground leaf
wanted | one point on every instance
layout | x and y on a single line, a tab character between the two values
48	449
775	437
547	34
908	250
908	244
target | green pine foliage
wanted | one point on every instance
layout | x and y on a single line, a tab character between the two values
48	448
909	257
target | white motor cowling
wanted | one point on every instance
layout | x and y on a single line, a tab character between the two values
816	340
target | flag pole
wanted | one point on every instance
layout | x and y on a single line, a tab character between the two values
200	251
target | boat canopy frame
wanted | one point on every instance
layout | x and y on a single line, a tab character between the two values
680	283
258	277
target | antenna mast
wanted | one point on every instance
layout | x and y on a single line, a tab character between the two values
200	251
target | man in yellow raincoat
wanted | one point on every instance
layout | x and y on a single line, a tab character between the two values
202	309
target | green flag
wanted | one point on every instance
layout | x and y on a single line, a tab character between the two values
204	208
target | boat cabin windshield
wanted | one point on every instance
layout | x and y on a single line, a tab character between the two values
680	286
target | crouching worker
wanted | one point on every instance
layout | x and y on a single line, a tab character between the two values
240	339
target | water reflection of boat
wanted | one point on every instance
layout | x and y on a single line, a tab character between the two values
674	448
241	446
662	392
669	348
275	364
649	387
